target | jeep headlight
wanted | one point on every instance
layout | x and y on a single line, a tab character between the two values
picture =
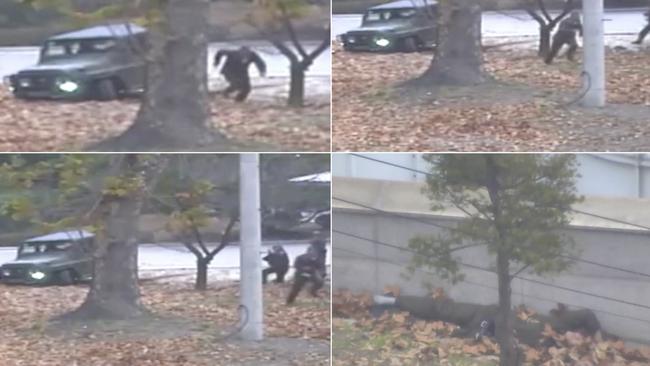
6	272
37	275
382	42
67	86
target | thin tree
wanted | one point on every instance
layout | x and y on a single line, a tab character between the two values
189	218
282	13
516	206
547	23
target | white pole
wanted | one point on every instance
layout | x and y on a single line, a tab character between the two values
593	77
250	272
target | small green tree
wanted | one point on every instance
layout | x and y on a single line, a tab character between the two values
190	215
516	205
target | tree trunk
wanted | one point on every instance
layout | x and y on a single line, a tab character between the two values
114	291
458	59
174	113
201	283
505	320
544	40
297	88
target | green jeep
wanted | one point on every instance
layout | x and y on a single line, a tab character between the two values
59	258
403	25
102	62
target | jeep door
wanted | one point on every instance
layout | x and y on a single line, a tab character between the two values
85	265
130	56
427	23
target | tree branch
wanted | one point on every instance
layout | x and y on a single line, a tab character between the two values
224	238
292	32
321	47
542	7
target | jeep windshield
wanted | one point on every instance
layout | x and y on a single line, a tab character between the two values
76	47
43	247
388	15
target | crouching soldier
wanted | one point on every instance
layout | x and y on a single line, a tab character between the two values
566	34
307	271
278	261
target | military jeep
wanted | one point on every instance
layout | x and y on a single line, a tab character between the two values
59	258
102	62
404	25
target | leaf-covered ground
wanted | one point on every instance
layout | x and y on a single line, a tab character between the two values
397	339
64	126
188	329
527	107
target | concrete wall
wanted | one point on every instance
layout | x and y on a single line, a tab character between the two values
612	175
363	266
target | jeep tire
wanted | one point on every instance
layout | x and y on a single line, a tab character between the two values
409	44
106	90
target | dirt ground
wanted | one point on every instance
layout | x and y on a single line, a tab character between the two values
66	126
525	106
186	328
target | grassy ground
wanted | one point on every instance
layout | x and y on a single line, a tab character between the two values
525	106
187	328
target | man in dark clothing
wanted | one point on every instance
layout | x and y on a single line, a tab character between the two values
320	248
278	261
566	34
307	270
644	32
235	70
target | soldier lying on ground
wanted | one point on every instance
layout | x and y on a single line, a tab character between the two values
479	320
235	70
566	35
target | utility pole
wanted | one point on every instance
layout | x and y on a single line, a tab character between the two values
250	238
593	76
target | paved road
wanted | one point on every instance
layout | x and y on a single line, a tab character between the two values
13	59
518	23
171	257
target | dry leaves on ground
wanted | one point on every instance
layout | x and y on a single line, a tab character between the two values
66	126
397	336
298	335
525	109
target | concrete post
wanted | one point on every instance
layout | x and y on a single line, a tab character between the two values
593	77
250	272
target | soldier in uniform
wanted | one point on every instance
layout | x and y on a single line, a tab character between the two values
235	70
644	32
307	270
278	261
566	34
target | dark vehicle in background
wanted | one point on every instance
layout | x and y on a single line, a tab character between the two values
60	258
102	62
404	25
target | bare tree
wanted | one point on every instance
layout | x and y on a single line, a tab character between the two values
547	23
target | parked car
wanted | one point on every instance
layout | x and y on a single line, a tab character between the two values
58	258
102	62
404	25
